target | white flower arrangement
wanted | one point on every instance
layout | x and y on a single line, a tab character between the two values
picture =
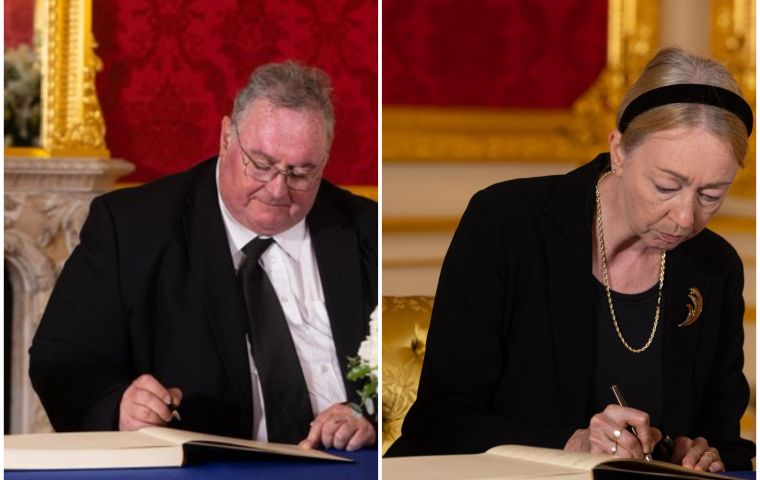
364	368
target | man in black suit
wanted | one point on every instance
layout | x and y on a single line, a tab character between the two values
168	303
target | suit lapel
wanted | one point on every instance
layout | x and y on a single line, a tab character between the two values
211	263
335	246
568	250
680	343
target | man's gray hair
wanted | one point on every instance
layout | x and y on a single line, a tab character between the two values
291	85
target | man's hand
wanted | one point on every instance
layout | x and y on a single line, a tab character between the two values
145	404
340	427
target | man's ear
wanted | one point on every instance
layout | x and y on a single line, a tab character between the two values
225	136
617	157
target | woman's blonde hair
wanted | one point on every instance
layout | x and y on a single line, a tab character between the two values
674	66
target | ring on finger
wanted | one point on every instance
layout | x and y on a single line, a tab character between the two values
715	455
616	434
613	450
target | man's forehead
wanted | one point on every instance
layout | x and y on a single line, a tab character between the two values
266	126
264	109
287	137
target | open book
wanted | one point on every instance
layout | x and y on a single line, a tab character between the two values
147	447
513	462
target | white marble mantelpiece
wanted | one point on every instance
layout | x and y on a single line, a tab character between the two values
46	202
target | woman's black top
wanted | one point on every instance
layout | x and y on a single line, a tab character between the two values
639	375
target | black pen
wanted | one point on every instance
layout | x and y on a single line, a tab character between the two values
621	401
666	446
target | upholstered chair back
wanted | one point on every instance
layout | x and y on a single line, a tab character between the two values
405	327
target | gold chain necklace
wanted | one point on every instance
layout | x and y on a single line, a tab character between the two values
603	255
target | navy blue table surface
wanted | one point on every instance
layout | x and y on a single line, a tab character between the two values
364	468
744	475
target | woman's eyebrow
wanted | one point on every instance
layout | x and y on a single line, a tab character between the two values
686	180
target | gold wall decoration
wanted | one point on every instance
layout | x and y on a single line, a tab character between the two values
733	43
632	39
415	134
369	191
72	121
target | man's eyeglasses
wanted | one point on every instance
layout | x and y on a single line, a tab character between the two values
295	178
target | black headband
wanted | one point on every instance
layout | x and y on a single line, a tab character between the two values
688	93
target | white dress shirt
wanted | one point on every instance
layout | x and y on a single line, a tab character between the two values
292	268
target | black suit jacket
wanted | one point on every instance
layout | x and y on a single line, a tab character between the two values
151	289
510	351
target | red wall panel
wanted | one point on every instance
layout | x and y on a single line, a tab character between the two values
18	23
172	68
492	53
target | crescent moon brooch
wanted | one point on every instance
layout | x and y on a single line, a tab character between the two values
695	307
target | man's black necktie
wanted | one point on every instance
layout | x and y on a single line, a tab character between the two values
286	398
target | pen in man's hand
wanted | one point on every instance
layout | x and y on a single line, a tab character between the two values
175	412
621	401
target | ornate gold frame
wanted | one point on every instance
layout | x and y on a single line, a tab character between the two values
72	122
413	134
732	41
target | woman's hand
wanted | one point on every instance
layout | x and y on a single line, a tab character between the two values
607	433
696	454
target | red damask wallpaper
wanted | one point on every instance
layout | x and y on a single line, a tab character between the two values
18	23
172	68
492	53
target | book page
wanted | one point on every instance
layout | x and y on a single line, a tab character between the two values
83	450
178	437
476	467
590	461
584	461
663	469
84	440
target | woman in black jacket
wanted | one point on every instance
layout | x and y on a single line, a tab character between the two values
556	288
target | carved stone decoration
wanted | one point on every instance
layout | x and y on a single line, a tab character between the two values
65	218
33	275
46	203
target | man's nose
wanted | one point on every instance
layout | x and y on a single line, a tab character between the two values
278	186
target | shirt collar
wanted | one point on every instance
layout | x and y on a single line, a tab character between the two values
290	240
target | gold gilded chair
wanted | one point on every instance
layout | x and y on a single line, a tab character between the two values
405	328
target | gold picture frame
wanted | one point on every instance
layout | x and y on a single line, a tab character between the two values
732	42
72	122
